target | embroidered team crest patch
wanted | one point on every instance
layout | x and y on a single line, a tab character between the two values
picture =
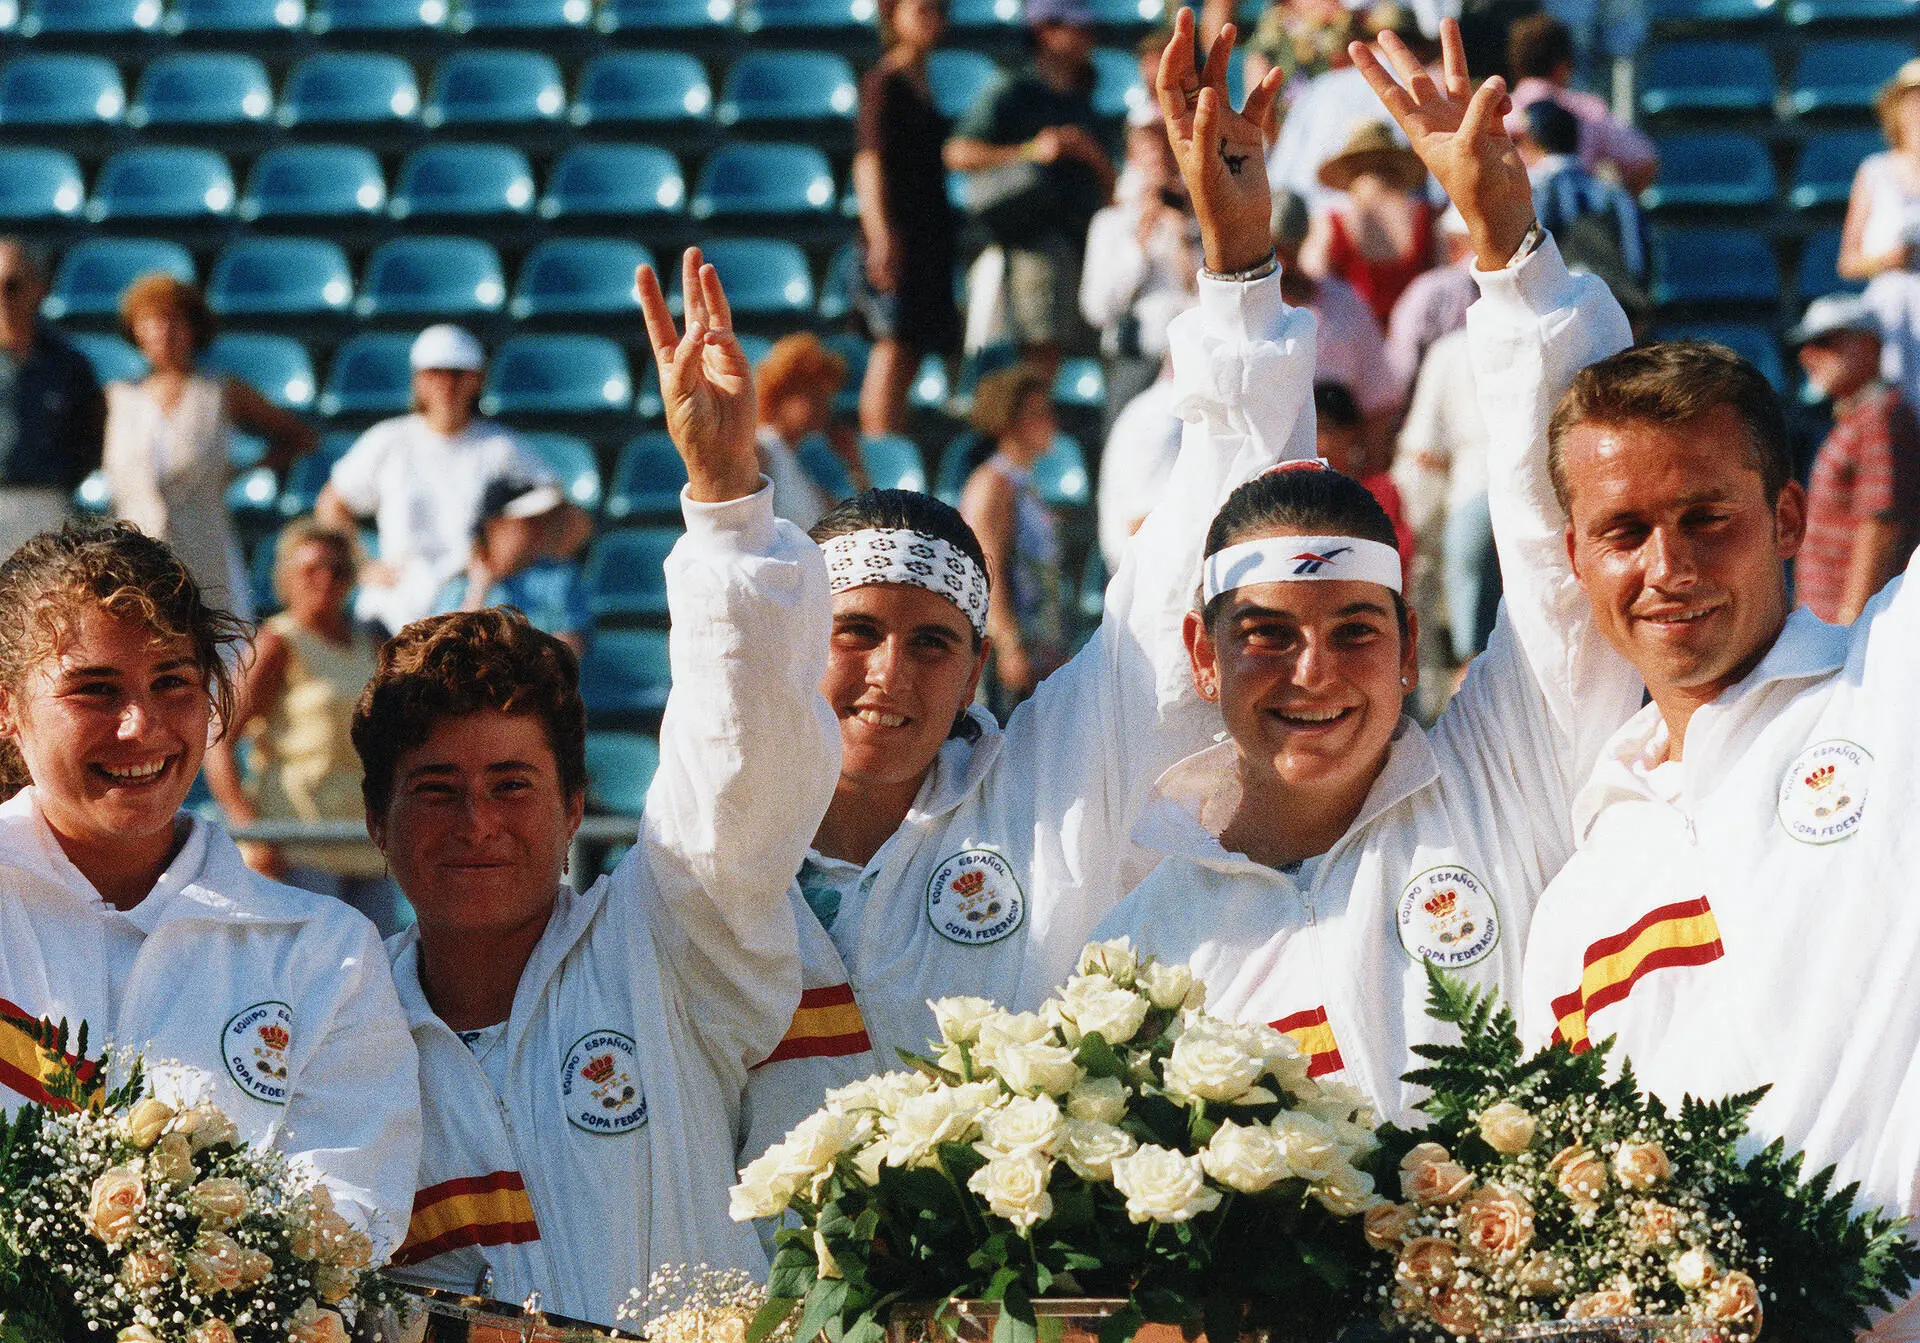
1823	794
256	1043
973	898
1448	918
600	1084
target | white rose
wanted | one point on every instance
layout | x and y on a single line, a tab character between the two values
1115	960
1347	1192
1024	1124
146	1120
1162	1185
1091	1148
765	1187
1169	985
1308	1146
867	1162
1033	1069
1208	1064
1354	1140
926	1121
1093	1003
816	1140
1694	1269
1015	1187
1000	1030
1100	1100
960	1019
1507	1128
1342	1102
882	1094
1245	1157
207	1126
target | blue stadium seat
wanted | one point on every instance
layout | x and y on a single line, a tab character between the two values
1081	382
667	18
836	286
647	87
572	462
1814	13
201	88
369	376
1061	474
1718	13
1712	168
255	491
620	768
1844	74
625	576
1824	175
787	86
823	17
1714	265
1117	88
432	277
823	465
162	182
350	88
958	77
893	462
1129	13
764	277
978	15
963	452
495	88
39	184
378	16
89	18
646	397
603	179
276	366
625	674
1753	341
280	277
1708	75
763	179
520	16
463	180
1819	269
557	375
307	474
196	18
647	479
113	357
930	390
579	277
60	89
314	181
93	273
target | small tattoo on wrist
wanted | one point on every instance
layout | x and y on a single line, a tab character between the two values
1235	162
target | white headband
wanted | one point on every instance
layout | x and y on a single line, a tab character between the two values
1295	559
900	555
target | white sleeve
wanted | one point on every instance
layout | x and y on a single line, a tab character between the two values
749	756
356	476
1115	269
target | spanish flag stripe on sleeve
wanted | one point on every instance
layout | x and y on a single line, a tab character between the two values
827	1024
1314	1034
24	1066
481	1210
1673	935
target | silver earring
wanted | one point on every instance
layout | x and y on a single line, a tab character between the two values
1403	683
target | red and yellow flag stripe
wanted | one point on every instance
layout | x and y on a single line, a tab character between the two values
25	1067
481	1210
1677	934
826	1025
1314	1034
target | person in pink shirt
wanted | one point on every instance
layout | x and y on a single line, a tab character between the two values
1540	57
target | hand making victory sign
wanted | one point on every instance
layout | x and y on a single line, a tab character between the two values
706	383
1221	152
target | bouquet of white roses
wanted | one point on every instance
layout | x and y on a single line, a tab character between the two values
1542	1190
1117	1143
123	1216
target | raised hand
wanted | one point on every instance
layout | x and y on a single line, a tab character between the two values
1459	133
705	382
1221	152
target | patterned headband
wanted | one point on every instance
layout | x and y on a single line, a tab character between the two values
1294	559
900	555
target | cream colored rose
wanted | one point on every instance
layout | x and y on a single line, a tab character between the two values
1169	984
1496	1223
171	1160
1115	960
1507	1128
999	1030
1341	1103
1208	1064
208	1126
959	1019
118	1198
1693	1269
1386	1225
211	1331
350	1249
218	1203
1095	1004
314	1324
1309	1146
1426	1265
825	1265
812	1144
1435	1184
1162	1185
1541	1275
764	1189
332	1283
1642	1166
1654	1225
143	1270
1038	1069
1458	1310
146	1120
1579	1175
1424	1154
926	1121
1090	1148
1604	1305
1015	1187
1346	1192
137	1333
1734	1299
1098	1100
1024	1124
1244	1157
1355	1141
881	1095
217	1263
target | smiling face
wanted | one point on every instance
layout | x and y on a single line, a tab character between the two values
1674	541
477	827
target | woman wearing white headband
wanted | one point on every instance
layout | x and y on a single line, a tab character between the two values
1328	850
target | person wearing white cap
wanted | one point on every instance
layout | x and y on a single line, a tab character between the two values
420	477
523	543
1863	495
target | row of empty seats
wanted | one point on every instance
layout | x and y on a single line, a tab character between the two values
1721	169
1727	75
1797	14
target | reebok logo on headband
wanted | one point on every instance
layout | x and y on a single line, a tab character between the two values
1296	559
1310	563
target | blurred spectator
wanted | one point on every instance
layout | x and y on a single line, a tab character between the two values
525	548
1434	304
420	477
903	287
1143	260
1863	496
1026	620
797	383
1322	118
1540	55
1339	440
1880	241
1379	234
1598	226
1135	466
1301	38
1600	32
166	453
1038	174
52	413
294	706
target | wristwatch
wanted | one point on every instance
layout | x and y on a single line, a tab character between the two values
1258	271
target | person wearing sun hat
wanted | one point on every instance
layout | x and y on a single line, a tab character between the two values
1380	179
1880	240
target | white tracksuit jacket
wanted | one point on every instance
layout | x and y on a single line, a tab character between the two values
649	996
1017	844
1461	830
277	1004
1759	925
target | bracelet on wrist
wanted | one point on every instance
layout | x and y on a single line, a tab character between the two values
1258	271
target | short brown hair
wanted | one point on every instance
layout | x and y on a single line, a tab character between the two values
304	530
1674	383
468	662
798	363
116	568
159	290
1538	45
997	398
